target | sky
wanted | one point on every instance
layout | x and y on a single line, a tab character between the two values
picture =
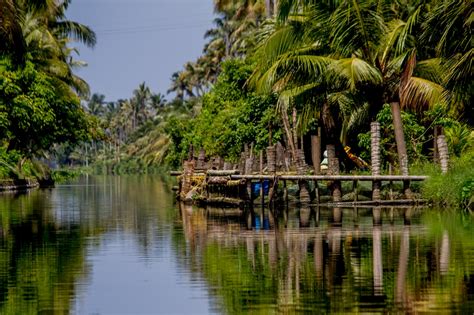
139	41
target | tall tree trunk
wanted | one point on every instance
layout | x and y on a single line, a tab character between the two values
286	126
375	158
399	138
293	128
444	254
377	259
400	285
401	146
443	153
316	152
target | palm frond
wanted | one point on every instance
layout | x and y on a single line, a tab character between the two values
77	31
353	72
420	94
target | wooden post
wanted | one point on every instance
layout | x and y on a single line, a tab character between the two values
354	188
375	157
316	152
188	171
201	159
271	159
316	190
390	172
303	184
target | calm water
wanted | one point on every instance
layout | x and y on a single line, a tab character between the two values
114	245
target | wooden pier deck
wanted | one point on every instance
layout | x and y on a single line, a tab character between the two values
221	178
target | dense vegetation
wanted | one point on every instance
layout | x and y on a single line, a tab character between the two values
39	93
276	71
270	71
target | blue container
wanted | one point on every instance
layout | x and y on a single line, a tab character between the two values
256	188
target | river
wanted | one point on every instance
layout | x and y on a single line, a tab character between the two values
122	245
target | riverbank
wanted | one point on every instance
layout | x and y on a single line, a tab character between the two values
18	184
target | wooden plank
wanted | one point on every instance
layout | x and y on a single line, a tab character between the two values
222	172
337	177
369	204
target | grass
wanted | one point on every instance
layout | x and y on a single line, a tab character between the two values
456	188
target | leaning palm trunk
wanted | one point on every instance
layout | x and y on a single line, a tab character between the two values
401	146
289	136
399	138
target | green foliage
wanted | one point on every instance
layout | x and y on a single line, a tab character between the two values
415	137
460	136
64	174
37	111
456	188
231	116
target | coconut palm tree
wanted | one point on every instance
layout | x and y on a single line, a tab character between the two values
448	28
141	105
181	85
340	61
39	31
95	106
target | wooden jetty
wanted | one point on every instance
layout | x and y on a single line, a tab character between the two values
231	187
272	172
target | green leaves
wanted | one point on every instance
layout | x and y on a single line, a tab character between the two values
37	111
355	72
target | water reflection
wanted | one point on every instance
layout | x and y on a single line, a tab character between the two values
120	245
332	260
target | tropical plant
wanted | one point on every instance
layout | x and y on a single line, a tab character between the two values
339	62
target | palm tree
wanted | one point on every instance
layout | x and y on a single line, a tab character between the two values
38	31
341	61
95	106
157	101
181	85
448	28
140	103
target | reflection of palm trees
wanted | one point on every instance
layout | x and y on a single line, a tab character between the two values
444	254
377	260
291	268
401	295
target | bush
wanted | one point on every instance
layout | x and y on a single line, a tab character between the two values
456	188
